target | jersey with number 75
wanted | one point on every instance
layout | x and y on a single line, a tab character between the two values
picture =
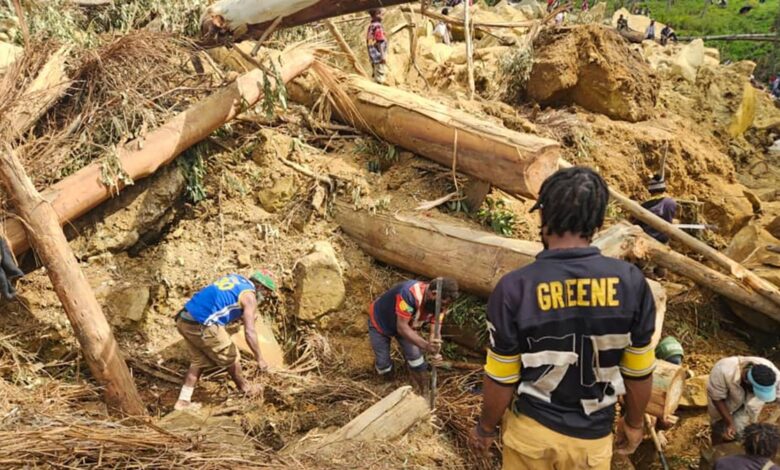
219	303
567	330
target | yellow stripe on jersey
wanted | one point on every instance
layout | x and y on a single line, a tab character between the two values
246	291
638	362
503	369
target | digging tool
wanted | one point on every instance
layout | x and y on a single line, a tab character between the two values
435	336
696	226
656	442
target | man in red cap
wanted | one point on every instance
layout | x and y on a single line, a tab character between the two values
202	324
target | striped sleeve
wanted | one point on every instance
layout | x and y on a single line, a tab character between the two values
638	362
503	369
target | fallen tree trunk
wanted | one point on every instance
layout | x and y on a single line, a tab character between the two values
761	37
248	19
476	259
90	326
386	420
515	162
78	193
668	384
46	89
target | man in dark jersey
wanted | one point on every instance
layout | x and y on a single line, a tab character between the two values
761	441
569	334
661	205
400	311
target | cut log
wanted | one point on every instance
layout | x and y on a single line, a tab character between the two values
90	326
668	383
388	419
515	162
248	19
75	195
46	89
469	49
476	259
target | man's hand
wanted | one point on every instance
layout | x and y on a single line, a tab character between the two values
628	438
478	444
436	360
730	433
262	366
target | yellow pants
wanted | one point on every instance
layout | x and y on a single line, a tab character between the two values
529	445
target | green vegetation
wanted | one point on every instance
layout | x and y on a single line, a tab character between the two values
495	214
699	18
380	154
194	169
470	312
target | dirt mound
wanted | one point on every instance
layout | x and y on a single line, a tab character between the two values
592	66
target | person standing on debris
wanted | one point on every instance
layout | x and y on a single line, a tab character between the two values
622	23
202	324
560	17
397	313
650	31
376	42
776	87
585	5
737	389
668	33
569	334
661	205
761	442
442	29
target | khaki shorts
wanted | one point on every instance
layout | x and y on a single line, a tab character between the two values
380	73
528	445
209	346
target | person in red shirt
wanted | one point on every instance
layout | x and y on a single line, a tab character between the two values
376	42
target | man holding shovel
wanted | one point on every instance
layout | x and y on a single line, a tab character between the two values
399	313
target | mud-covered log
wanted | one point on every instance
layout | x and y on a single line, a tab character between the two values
78	193
100	349
668	384
513	161
248	19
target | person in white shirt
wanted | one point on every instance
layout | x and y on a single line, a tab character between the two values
737	390
442	29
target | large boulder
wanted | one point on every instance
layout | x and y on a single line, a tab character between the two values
126	303
591	65
687	62
728	205
695	392
319	285
8	55
269	347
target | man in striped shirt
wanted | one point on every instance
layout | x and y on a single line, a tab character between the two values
569	334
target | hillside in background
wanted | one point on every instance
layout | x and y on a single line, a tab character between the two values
698	18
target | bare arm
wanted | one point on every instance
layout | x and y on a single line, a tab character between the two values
407	332
720	405
249	303
496	399
637	397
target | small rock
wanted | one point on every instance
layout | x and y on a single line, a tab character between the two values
128	303
319	284
272	146
244	260
277	196
774	227
695	392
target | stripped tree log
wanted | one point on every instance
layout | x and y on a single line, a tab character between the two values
240	20
386	420
476	259
78	193
46	89
100	349
668	385
515	162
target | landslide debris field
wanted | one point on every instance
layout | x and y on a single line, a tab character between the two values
338	185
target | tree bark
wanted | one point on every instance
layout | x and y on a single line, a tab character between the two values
78	193
98	344
469	48
515	162
248	19
668	384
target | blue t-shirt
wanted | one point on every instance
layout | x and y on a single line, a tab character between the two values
218	303
402	300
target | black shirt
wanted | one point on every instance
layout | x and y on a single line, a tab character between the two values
744	462
577	322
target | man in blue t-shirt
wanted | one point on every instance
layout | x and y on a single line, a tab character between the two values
202	324
400	311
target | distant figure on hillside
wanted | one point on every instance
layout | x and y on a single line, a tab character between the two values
585	5
559	18
376	42
442	29
761	443
737	390
661	205
668	33
622	23
744	10
650	31
776	87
